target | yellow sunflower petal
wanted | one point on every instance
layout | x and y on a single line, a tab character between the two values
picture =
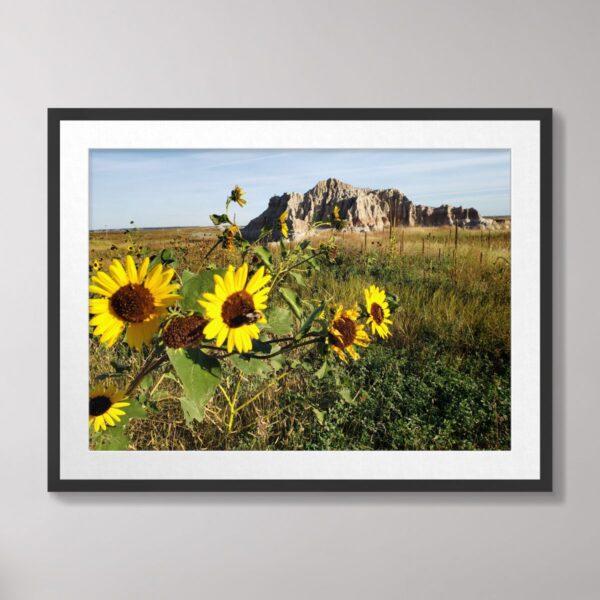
213	329
130	269
110	335
149	330
98	306
258	280
118	272
143	269
101	291
231	339
153	278
106	281
229	281
135	335
114	413
239	336
222	336
241	276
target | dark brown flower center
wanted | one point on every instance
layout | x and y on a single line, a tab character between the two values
133	303
183	332
377	313
99	405
347	332
238	310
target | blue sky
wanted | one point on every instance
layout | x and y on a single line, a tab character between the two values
162	188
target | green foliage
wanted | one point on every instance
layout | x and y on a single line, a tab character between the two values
199	375
308	323
265	256
194	286
220	219
280	321
164	257
405	400
292	300
251	366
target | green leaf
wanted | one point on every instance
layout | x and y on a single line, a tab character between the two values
187	275
311	319
199	375
219	219
319	415
314	263
298	277
291	298
278	362
146	383
345	394
322	370
164	256
265	256
251	366
283	248
279	320
195	286
113	439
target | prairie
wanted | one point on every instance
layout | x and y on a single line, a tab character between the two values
441	382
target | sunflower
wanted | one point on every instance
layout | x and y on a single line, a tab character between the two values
105	407
235	308
184	332
379	311
131	248
237	196
131	298
96	264
283	227
345	333
336	213
229	237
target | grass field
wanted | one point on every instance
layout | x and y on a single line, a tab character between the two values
441	382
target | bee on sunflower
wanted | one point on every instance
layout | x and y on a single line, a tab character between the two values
131	299
105	407
345	333
283	226
378	310
235	308
237	196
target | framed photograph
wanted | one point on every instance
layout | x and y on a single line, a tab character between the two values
300	299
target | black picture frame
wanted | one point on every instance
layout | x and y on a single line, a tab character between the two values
58	115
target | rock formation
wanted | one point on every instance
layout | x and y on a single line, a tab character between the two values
361	209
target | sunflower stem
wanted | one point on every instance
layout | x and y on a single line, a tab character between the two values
261	392
149	365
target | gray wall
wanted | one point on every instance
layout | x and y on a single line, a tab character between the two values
389	54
